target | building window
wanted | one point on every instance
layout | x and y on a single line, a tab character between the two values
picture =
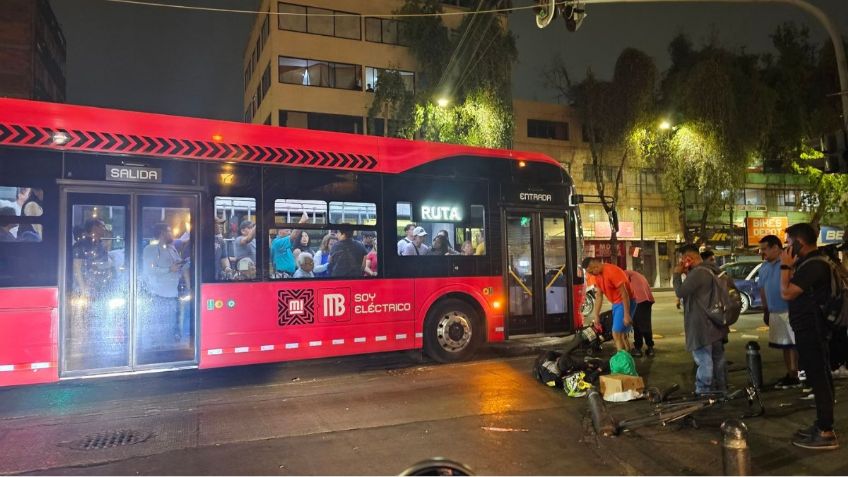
382	30
266	81
293	17
547	129
755	197
372	77
320	21
609	173
790	198
321	121
319	73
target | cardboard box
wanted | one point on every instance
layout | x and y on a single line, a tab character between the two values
616	383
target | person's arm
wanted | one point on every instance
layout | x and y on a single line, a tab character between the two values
251	233
686	288
599	303
788	291
625	302
765	306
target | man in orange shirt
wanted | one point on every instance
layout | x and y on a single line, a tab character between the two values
613	283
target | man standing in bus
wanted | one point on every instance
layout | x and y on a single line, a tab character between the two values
613	283
347	258
403	242
282	249
162	269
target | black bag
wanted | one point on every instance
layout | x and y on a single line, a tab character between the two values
545	369
835	311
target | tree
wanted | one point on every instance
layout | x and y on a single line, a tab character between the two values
472	67
393	101
611	112
726	108
803	75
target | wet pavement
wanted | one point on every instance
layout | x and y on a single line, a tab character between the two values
379	414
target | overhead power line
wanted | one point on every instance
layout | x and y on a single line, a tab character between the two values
332	14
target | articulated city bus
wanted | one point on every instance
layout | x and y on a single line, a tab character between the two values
134	242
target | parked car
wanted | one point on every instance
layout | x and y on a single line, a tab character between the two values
746	277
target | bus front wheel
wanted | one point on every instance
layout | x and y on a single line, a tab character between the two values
452	331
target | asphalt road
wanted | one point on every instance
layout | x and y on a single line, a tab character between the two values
377	415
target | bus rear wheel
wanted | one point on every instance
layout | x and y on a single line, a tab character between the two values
452	331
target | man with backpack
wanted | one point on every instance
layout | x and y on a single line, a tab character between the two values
806	282
704	336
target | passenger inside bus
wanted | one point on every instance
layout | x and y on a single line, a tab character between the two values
467	248
163	269
417	245
322	256
305	265
347	257
371	261
407	239
245	244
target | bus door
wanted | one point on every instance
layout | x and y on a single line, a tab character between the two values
537	276
129	281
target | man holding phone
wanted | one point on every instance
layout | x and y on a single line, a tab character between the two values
162	269
704	338
805	284
613	283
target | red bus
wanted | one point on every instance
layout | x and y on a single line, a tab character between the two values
134	242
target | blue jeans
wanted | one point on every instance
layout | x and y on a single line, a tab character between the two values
711	375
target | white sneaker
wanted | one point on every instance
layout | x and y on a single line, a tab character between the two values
840	373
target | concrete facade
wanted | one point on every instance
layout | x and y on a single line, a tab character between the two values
32	51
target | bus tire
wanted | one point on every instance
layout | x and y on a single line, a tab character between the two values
452	331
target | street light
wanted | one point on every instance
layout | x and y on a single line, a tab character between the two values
442	102
665	125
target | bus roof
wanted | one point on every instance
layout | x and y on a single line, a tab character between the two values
36	124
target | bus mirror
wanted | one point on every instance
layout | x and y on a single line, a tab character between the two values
575	199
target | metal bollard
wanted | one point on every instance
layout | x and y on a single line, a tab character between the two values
755	364
734	446
601	419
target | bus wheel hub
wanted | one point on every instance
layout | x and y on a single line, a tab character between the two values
454	331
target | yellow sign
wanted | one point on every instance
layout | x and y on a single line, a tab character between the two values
759	227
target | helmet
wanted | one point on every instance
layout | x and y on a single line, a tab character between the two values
575	384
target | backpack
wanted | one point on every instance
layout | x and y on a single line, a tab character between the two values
545	369
835	311
725	300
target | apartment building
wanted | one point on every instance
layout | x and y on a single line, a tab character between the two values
317	68
32	51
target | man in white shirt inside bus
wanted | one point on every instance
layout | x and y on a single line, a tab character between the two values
162	269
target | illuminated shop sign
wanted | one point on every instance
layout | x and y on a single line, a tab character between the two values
441	213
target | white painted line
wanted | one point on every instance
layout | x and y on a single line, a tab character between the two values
242	349
215	351
380	338
266	348
40	365
359	340
315	343
499	329
338	342
292	345
419	335
401	336
7	367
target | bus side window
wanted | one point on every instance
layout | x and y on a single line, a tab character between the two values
435	229
23	202
235	238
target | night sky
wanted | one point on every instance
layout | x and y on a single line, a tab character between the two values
189	63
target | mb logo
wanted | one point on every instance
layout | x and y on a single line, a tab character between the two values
295	307
332	305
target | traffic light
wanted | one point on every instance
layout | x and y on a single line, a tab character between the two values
835	149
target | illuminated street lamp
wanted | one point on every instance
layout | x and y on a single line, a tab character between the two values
442	102
665	125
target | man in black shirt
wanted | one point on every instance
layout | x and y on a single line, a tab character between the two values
347	258
805	284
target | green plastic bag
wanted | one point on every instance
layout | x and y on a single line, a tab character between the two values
622	363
